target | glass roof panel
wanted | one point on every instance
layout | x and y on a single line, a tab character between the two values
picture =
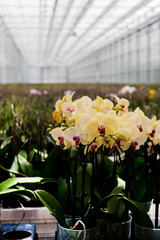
70	29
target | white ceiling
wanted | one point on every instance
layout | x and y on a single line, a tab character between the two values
49	32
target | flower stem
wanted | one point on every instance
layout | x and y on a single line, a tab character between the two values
67	159
157	197
92	181
125	170
74	182
83	190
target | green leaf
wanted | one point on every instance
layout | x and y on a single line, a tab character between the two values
12	172
116	207
139	214
23	154
87	187
62	193
25	165
53	164
52	205
21	164
48	180
23	138
6	142
10	182
139	189
14	167
14	191
31	155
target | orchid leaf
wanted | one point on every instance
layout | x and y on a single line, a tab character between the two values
62	193
12	171
116	206
139	188
139	214
52	205
48	180
10	182
14	191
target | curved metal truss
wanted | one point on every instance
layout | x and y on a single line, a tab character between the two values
60	32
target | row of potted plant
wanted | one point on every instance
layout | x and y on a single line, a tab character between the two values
94	133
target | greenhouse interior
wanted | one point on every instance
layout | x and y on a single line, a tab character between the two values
57	41
80	119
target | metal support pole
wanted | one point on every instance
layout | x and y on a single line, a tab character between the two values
137	72
129	58
148	53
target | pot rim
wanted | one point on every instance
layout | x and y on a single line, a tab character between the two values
147	228
2	235
122	223
88	229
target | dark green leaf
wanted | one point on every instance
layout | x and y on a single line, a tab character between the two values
139	214
139	189
14	181
52	205
12	172
11	191
62	193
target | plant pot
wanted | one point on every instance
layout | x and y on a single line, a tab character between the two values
146	205
24	231
20	234
118	231
143	233
66	233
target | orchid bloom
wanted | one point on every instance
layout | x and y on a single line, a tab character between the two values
122	105
83	104
58	135
102	105
96	123
60	138
68	109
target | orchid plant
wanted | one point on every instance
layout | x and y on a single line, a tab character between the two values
100	127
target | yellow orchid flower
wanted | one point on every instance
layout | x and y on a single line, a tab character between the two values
122	105
82	104
57	117
143	122
58	135
58	106
68	97
102	105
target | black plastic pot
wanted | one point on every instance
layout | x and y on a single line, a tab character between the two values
19	234
26	231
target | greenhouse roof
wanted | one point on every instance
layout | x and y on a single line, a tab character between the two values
53	32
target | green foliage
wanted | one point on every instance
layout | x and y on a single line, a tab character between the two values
115	206
52	205
139	214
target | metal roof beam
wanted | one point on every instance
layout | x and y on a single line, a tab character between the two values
106	10
142	3
86	7
62	24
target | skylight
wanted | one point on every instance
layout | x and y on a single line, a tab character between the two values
50	31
